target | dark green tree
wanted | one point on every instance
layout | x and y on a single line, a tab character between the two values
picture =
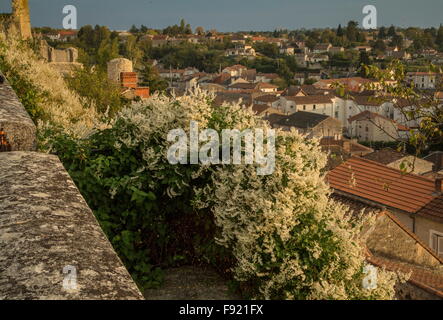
352	31
391	31
397	41
150	78
340	32
382	33
439	39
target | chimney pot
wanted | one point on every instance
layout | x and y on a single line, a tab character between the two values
347	146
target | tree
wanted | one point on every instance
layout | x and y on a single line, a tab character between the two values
108	50
364	58
340	32
439	38
134	30
188	29
131	50
182	25
149	77
391	31
352	31
143	29
268	49
397	41
96	90
379	45
200	31
382	33
420	109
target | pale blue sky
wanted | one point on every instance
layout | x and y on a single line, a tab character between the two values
234	15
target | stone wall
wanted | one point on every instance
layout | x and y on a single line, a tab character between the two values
15	121
20	11
390	240
17	22
51	245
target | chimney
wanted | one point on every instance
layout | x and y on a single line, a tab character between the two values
347	146
438	186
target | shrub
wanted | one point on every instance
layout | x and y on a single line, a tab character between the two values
277	236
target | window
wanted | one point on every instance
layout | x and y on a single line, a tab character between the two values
436	241
313	108
336	114
304	107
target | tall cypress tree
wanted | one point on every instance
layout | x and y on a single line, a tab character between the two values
340	32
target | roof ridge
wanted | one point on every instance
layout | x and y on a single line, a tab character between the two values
390	168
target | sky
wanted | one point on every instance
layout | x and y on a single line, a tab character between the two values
234	15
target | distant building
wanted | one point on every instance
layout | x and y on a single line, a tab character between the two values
321	104
397	160
370	126
422	80
416	201
287	50
120	71
242	50
335	50
322	48
312	124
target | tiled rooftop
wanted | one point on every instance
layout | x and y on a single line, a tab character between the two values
384	185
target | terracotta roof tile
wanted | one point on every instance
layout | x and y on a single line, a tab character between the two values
367	115
385	156
388	186
267	98
317	99
302	119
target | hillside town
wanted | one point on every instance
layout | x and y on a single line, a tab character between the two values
371	99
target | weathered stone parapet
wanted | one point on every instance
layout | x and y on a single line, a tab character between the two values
45	226
15	121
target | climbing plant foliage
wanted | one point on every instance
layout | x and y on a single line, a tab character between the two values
277	236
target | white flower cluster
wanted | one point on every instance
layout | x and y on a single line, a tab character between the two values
285	232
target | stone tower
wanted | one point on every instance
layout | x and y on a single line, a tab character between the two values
20	13
117	66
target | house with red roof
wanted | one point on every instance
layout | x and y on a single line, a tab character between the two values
371	126
415	200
